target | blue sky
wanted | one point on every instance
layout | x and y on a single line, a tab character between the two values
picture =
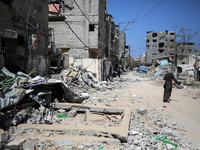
164	16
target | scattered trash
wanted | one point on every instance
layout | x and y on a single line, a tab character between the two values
163	137
62	115
101	148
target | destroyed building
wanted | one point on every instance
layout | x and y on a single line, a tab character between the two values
23	35
163	45
159	45
83	34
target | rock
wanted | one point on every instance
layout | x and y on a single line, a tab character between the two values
72	113
61	110
142	110
4	137
28	146
63	142
170	147
16	144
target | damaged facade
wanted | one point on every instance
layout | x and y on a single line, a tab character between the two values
23	35
162	45
83	32
159	45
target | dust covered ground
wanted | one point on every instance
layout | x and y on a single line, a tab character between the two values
149	116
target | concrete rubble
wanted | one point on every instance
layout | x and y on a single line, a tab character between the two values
43	107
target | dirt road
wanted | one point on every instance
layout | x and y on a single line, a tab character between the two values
184	110
130	92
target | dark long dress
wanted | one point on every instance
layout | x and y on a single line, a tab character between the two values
168	86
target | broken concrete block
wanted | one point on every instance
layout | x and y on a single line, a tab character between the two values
72	113
28	146
61	110
113	111
61	106
68	148
63	142
170	147
96	109
89	132
16	144
4	137
142	110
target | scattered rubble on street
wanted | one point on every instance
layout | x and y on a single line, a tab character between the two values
36	113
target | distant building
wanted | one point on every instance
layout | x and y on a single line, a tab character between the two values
162	45
159	45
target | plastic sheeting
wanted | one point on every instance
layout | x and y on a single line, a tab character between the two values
143	69
164	62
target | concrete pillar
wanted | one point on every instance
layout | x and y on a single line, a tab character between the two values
65	62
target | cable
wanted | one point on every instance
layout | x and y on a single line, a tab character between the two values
69	26
136	17
140	10
150	10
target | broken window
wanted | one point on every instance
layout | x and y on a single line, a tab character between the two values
91	27
161	45
161	50
154	46
147	46
154	40
20	40
147	41
172	33
155	35
171	40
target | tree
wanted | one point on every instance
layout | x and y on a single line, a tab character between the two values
183	37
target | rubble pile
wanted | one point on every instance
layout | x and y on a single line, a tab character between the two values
145	125
21	95
32	101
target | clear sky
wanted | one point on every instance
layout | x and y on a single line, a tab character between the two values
154	15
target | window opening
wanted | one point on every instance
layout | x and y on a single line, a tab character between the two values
161	45
91	27
155	35
154	40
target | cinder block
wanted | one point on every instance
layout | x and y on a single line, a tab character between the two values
16	144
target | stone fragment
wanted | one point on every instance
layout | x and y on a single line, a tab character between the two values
63	142
72	113
16	144
142	110
61	110
68	148
170	147
28	146
4	137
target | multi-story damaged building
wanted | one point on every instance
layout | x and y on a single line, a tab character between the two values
24	35
79	26
163	45
159	45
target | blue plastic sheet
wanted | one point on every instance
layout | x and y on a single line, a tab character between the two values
143	69
157	73
164	62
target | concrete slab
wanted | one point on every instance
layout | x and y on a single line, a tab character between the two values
101	131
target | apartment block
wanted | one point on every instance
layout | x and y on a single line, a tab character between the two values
159	45
79	26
